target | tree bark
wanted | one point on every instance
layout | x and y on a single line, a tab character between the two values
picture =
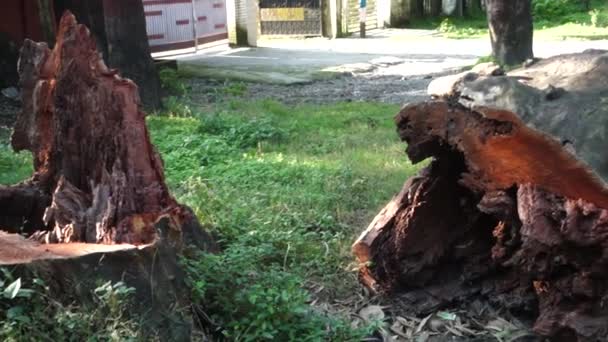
90	14
128	48
47	20
120	29
96	173
503	212
511	30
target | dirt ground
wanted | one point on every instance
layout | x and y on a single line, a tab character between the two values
8	111
368	86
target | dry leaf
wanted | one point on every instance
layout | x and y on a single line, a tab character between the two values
372	313
423	323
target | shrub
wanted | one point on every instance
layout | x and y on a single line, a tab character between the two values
554	10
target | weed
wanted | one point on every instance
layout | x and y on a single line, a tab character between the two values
32	314
177	107
235	89
14	167
171	82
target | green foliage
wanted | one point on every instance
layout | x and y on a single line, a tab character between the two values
235	89
286	189
242	133
171	82
252	302
598	18
553	19
554	10
175	106
14	167
32	314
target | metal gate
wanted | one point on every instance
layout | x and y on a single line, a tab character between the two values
290	17
371	18
181	24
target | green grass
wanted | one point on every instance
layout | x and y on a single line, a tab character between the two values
286	190
14	167
552	21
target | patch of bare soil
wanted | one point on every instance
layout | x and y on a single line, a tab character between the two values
8	111
356	87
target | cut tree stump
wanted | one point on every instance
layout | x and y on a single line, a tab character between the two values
502	212
96	172
97	208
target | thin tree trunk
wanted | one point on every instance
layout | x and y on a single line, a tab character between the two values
47	22
511	30
128	48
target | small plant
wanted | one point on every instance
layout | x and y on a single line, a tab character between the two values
446	26
235	89
241	133
32	314
176	107
257	303
172	82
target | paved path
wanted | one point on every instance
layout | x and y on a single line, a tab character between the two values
385	52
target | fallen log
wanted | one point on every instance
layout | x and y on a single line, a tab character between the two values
97	207
502	212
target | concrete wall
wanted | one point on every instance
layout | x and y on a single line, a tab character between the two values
400	13
242	17
253	22
329	18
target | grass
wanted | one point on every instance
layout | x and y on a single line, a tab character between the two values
552	21
286	190
14	167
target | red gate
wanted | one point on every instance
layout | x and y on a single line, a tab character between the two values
181	24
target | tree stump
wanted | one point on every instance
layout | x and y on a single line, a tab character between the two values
97	207
96	174
502	212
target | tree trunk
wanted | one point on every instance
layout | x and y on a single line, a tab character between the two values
417	8
503	212
47	21
90	14
120	29
432	8
97	175
511	30
128	48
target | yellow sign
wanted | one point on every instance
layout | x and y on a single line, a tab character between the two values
282	14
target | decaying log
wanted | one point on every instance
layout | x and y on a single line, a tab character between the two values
98	176
503	212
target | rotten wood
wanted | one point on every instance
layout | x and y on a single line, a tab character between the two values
504	212
100	177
